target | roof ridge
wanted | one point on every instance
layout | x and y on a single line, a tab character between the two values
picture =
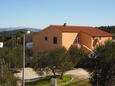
73	26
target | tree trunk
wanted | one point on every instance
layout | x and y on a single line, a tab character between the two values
61	76
53	71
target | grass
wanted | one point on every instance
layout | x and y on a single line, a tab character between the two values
47	80
79	83
66	79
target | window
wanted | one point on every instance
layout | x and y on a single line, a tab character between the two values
46	38
78	40
54	40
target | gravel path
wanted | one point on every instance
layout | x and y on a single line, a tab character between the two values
29	73
78	73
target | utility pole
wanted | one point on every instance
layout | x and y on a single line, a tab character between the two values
23	81
24	49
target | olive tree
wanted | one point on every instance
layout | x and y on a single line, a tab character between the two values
104	69
56	60
76	55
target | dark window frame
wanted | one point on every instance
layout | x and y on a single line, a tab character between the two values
55	40
45	38
78	40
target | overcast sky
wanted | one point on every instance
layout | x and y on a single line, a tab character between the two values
41	13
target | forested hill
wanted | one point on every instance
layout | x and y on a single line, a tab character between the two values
18	28
11	37
110	29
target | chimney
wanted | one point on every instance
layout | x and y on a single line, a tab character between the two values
64	24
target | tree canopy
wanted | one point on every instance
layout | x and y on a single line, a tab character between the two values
76	55
56	60
104	68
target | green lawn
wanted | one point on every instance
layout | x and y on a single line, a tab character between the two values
79	83
46	82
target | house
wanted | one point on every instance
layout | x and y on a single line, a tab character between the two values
55	36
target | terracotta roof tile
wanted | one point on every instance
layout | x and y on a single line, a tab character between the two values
89	30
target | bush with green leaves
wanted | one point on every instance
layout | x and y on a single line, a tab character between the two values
6	76
13	56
